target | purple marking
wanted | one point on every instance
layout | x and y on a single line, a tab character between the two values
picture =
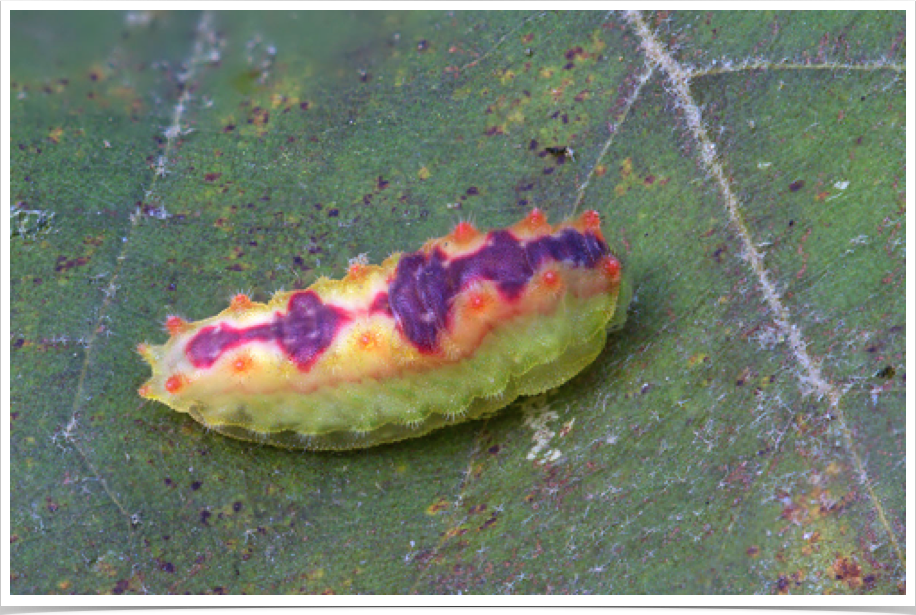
419	298
304	332
425	286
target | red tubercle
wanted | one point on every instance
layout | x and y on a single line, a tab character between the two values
611	267
240	302
478	301
591	219
536	219
175	383
550	277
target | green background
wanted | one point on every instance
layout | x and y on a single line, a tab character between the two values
162	162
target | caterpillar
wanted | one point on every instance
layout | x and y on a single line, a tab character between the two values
449	333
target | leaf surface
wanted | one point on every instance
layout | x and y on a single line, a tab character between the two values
744	432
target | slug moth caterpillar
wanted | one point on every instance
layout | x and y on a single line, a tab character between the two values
451	332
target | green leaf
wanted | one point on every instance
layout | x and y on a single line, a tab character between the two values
744	432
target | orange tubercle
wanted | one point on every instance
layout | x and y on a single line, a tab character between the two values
368	339
356	271
144	391
242	363
532	226
358	267
240	302
176	325
464	232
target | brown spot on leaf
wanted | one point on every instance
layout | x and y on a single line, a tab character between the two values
259	116
782	585
573	52
847	570
63	264
55	135
438	506
489	522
